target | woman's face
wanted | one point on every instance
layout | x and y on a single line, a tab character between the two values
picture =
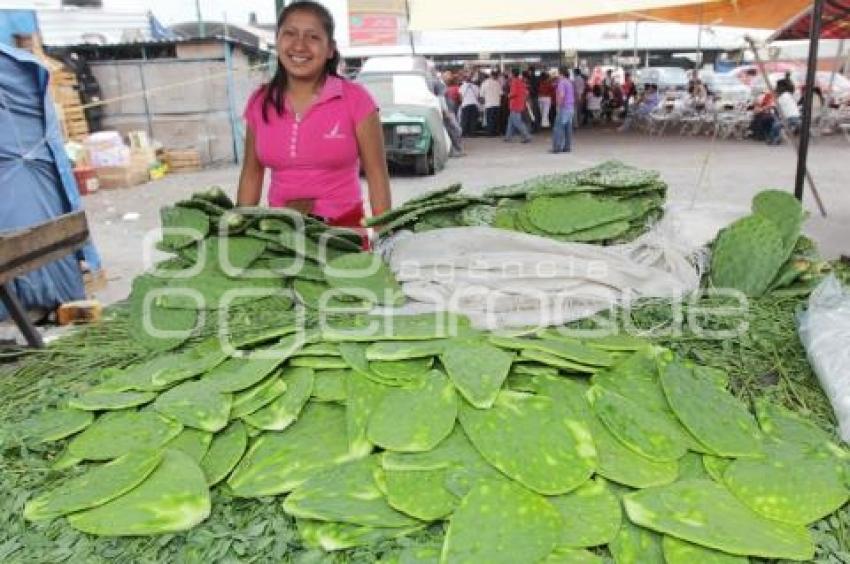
303	46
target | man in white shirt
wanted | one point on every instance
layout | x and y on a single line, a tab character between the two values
789	116
469	95
491	90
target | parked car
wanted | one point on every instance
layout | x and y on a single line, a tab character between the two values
411	113
667	79
727	89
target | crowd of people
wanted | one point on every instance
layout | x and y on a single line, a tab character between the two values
518	103
521	102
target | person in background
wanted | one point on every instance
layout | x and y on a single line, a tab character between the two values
697	92
547	95
453	94
594	103
469	95
629	91
504	109
449	117
491	90
789	116
517	99
562	130
580	89
645	106
534	99
313	129
785	84
614	101
764	115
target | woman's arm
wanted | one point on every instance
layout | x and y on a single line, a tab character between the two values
251	177
370	144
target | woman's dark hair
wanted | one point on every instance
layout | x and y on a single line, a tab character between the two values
276	88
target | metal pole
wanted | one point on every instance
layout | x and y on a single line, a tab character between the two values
202	29
805	134
835	68
636	59
769	86
699	40
409	32
235	125
560	46
145	99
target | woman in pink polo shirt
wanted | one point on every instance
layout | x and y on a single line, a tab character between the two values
313	129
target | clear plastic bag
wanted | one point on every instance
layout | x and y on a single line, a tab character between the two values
824	329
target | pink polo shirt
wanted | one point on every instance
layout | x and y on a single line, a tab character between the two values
313	156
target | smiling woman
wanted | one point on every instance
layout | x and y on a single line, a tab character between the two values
313	128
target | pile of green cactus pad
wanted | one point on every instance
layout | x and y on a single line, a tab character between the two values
765	252
606	204
530	447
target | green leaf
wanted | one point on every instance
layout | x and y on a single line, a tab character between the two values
346	493
715	417
173	498
55	424
705	513
120	432
193	442
415	419
101	401
636	545
477	369
96	487
532	440
791	485
285	409
196	404
365	276
279	462
591	515
501	522
644	431
340	536
677	551
257	397
420	493
225	452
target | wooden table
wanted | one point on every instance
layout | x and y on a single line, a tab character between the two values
24	250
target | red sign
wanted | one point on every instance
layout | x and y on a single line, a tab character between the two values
373	29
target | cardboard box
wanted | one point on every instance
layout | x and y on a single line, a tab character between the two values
110	177
143	157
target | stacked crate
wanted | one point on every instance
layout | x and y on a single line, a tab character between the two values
182	160
64	89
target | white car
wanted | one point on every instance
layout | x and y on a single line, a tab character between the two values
727	89
411	113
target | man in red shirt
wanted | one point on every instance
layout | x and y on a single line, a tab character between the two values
517	98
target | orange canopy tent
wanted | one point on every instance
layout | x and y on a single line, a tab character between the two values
537	14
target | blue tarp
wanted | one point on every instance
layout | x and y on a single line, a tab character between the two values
16	22
36	179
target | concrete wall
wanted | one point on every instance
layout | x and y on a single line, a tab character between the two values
187	104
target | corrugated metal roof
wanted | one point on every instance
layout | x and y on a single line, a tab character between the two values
155	42
71	26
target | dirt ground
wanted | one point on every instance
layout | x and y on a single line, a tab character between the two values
697	170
